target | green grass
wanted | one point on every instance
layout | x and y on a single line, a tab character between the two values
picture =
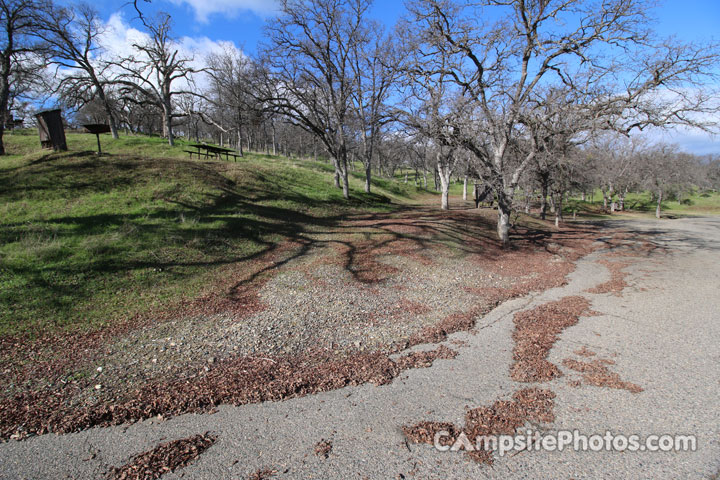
641	203
86	241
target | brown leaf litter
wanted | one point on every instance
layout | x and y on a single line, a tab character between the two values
49	357
166	457
236	381
503	417
456	322
617	282
584	352
263	474
323	448
536	331
597	374
43	400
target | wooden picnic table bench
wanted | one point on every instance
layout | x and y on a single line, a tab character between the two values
203	149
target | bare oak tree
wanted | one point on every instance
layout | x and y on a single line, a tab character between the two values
374	71
70	40
497	66
18	24
309	60
153	69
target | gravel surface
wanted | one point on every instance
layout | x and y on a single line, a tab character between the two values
374	284
661	333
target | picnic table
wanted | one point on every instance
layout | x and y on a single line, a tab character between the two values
203	149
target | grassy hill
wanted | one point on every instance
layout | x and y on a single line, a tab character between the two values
88	240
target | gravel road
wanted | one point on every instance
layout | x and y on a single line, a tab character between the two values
662	333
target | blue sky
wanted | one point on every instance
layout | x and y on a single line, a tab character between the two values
204	22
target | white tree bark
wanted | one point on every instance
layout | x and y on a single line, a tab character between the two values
444	174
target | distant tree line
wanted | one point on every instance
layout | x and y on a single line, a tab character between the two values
535	99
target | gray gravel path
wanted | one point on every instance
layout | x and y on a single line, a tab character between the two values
662	333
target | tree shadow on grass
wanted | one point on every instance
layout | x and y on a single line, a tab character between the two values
234	221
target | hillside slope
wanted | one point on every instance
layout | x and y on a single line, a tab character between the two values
88	240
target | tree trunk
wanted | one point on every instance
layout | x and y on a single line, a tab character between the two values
659	202
558	211
443	172
543	200
368	176
465	179
168	129
336	177
108	112
346	182
503	225
274	143
527	200
583	196
5	88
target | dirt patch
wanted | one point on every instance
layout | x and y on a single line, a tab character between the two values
503	417
536	331
166	457
617	282
596	373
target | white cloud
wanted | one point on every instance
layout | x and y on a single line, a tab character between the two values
119	37
232	8
688	140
